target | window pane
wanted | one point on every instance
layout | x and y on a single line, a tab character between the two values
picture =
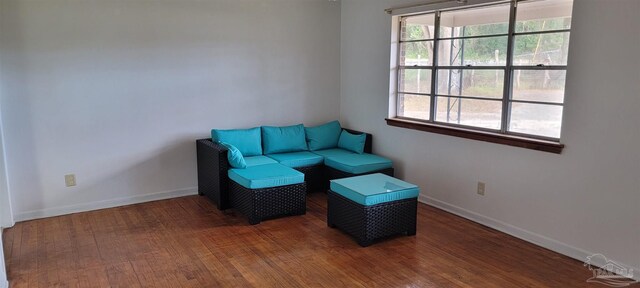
539	85
417	27
471	82
415	80
470	112
414	106
546	49
544	15
491	51
536	119
416	53
490	20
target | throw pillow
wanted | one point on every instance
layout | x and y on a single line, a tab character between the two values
234	156
352	142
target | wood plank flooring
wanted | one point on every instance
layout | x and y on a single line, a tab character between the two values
187	242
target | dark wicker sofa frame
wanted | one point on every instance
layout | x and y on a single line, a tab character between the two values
214	182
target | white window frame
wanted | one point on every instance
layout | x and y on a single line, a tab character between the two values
509	69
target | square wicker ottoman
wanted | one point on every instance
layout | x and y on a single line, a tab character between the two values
371	207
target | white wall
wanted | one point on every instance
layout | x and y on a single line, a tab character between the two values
117	91
6	215
586	200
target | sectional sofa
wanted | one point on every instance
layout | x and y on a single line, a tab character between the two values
265	172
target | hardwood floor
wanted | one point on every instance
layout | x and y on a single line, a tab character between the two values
187	242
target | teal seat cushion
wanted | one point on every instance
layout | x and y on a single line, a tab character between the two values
258	160
297	159
374	189
248	141
266	176
283	139
323	136
358	163
235	158
352	142
332	152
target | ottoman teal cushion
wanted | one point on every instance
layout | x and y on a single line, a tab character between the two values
283	139
324	136
258	160
248	141
358	163
266	176
297	159
374	189
333	152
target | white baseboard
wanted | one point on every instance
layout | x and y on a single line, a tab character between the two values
537	239
62	210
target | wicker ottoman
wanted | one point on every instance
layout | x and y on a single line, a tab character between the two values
267	191
269	203
371	207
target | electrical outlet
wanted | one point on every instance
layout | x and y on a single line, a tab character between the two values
481	188
70	180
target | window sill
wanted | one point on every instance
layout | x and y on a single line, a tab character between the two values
541	145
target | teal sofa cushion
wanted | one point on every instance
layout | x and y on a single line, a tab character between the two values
374	189
248	141
332	152
234	156
297	159
266	176
358	163
324	136
352	142
283	139
258	160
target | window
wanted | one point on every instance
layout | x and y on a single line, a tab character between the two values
496	68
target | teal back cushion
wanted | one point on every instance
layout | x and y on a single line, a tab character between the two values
352	142
234	156
324	136
248	141
283	139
